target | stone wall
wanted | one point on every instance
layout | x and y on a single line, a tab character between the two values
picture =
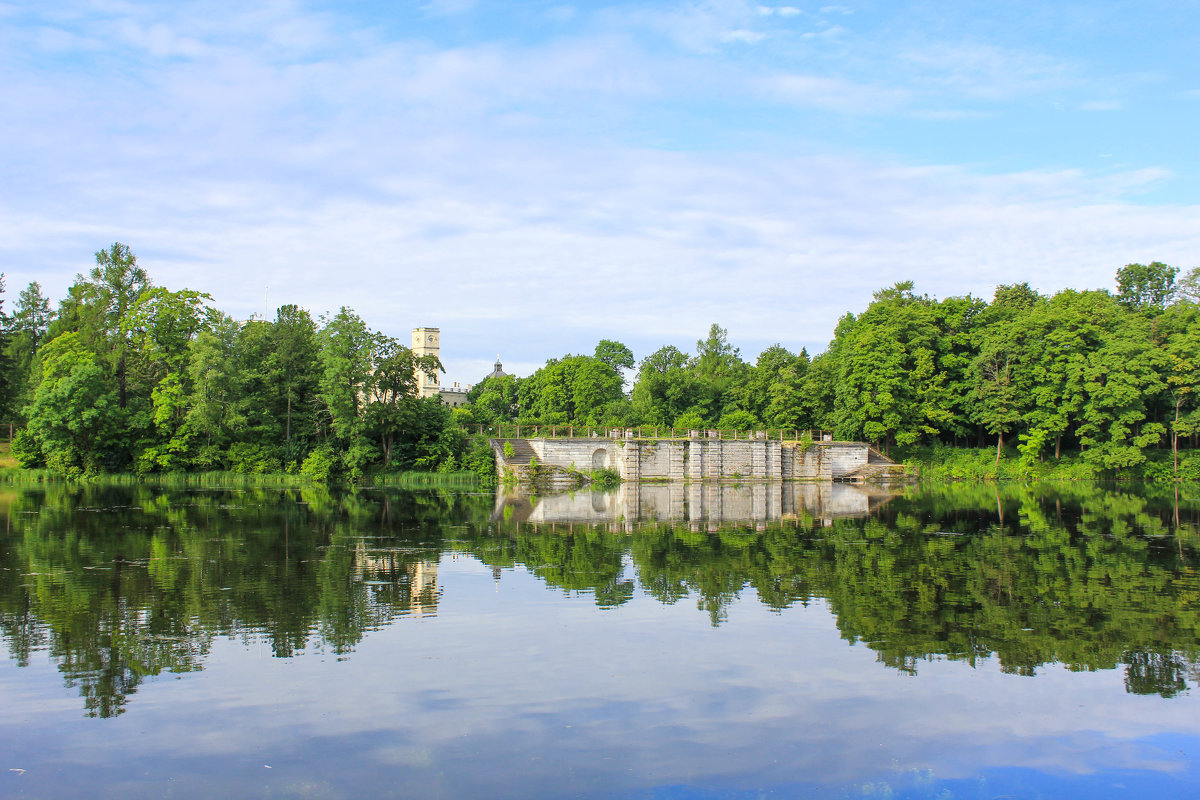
697	459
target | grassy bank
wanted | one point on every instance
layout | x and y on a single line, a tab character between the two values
942	463
14	476
6	458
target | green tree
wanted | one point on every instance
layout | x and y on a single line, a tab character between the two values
392	409
1189	286
103	303
1000	377
495	400
1179	330
293	368
215	413
75	417
616	355
665	387
7	367
891	387
1147	287
28	324
347	350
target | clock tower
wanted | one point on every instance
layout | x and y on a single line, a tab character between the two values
425	342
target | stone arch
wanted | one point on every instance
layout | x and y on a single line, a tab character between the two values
600	458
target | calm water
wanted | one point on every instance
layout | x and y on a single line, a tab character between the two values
655	642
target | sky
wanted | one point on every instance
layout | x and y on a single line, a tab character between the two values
532	177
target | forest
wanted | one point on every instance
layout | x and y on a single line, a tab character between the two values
123	375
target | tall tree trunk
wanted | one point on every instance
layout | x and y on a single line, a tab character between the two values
1175	440
288	434
1058	447
999	446
121	378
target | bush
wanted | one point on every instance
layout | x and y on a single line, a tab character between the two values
27	449
322	465
738	421
605	477
253	459
478	458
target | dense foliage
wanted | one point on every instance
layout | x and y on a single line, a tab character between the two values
129	376
1108	375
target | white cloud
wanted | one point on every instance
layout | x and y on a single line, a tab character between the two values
1102	105
781	11
745	36
448	7
703	25
827	32
985	71
833	94
502	192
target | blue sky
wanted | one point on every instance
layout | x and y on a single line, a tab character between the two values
532	177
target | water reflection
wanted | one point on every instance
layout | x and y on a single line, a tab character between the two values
119	584
707	505
122	583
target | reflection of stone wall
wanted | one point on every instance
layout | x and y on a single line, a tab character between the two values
697	502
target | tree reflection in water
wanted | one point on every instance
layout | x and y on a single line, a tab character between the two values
121	583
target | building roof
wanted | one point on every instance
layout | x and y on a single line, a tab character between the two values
498	372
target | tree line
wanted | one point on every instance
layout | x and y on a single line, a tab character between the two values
1109	375
126	375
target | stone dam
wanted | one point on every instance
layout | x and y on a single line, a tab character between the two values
561	460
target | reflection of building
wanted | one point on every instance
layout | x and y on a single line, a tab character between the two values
413	584
426	342
423	587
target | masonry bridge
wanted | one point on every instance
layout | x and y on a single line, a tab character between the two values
697	456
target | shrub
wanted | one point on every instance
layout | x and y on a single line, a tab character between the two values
253	459
27	449
322	465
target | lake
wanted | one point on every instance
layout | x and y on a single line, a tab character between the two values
656	641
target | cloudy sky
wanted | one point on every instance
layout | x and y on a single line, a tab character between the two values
534	176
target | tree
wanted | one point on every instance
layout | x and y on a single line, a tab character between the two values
106	296
215	411
1179	328
28	325
998	391
293	365
347	349
1189	286
391	407
890	386
1146	287
495	399
159	329
999	401
665	387
75	417
616	355
7	370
